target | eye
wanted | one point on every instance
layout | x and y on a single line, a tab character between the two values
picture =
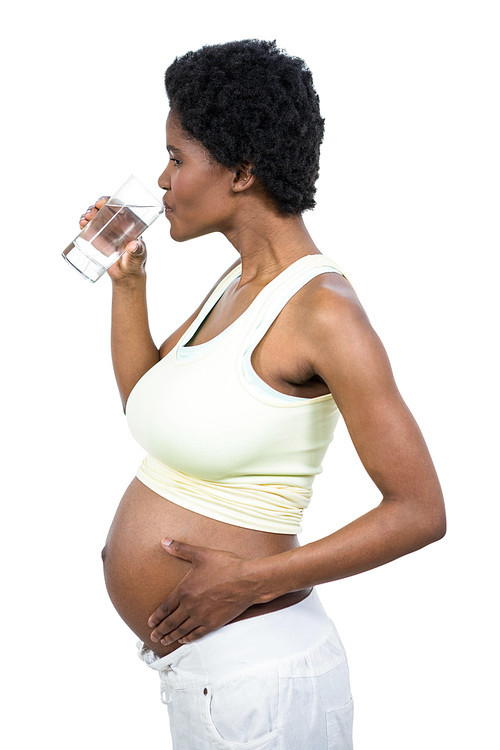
176	161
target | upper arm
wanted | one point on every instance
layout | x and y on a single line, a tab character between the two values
174	337
348	355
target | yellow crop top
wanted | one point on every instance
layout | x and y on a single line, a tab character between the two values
219	444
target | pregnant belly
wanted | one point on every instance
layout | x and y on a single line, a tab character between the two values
139	574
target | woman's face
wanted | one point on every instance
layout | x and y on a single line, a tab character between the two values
199	196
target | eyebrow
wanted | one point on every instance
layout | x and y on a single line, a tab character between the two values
173	149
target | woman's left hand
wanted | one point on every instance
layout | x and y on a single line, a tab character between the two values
216	589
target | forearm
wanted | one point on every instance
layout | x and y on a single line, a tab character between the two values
383	534
133	350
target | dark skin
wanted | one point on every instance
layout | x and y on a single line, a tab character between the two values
333	349
341	348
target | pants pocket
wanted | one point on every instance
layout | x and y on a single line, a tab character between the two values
339	727
243	711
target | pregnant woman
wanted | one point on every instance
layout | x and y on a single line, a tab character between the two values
236	410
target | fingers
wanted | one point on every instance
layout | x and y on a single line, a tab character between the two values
166	609
189	552
134	256
184	632
168	633
91	211
136	247
183	635
194	635
167	618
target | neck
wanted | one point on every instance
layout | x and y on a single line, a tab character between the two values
268	242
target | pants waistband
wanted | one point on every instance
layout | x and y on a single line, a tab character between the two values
245	644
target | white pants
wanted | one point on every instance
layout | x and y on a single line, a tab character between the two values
278	681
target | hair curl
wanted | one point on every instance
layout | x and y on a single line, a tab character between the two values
249	101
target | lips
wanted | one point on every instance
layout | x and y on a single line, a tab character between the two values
168	209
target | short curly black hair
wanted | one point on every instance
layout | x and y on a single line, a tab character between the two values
249	101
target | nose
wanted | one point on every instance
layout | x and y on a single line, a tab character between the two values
164	180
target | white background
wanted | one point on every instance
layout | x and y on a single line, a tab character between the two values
408	206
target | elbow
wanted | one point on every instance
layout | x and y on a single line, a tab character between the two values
424	529
441	526
439	516
430	513
438	530
421	521
435	521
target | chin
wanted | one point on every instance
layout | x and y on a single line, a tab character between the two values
179	237
176	235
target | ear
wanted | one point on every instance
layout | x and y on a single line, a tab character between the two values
243	177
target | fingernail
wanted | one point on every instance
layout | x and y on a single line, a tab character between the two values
167	542
134	246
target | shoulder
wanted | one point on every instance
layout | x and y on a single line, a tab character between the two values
337	338
328	303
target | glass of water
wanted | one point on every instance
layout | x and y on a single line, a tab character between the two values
125	216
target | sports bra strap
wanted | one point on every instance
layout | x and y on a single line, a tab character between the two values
275	300
208	306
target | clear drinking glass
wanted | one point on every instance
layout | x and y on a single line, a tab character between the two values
126	215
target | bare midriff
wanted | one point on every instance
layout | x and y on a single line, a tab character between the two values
139	573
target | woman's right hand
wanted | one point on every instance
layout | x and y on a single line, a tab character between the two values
131	264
